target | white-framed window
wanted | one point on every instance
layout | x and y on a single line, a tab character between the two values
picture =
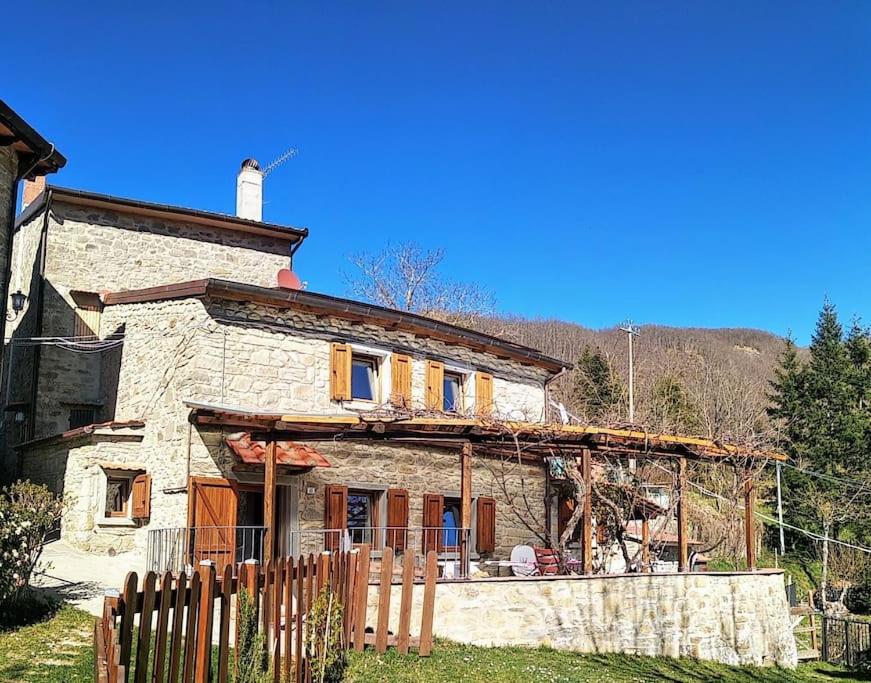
365	377
370	376
453	392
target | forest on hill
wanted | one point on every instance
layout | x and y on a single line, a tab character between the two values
711	382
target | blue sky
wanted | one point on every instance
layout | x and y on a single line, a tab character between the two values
697	164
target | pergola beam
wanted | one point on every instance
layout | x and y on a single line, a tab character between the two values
682	532
465	504
269	500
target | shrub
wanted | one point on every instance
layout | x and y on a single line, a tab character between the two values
251	664
28	512
324	636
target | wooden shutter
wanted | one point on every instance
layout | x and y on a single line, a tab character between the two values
483	393
340	372
435	385
397	518
400	378
486	527
433	511
565	510
141	496
335	514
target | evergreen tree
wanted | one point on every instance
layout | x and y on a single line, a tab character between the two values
672	407
596	390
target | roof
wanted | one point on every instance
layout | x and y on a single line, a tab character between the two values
163	211
323	304
33	149
114	427
537	439
287	452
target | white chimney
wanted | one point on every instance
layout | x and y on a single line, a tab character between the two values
249	191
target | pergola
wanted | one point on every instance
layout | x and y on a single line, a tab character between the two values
532	442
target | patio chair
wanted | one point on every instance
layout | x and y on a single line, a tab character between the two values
546	561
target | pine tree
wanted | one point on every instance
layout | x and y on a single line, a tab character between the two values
597	391
672	407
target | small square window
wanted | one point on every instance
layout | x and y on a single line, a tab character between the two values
117	495
364	378
453	392
82	416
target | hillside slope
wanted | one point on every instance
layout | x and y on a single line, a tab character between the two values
706	381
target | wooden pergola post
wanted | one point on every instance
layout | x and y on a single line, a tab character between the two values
645	544
682	546
587	515
749	524
465	505
269	501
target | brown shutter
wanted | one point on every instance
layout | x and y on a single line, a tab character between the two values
433	509
435	385
400	378
340	372
565	510
335	514
141	496
483	393
397	518
486	525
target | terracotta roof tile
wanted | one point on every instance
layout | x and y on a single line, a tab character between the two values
288	452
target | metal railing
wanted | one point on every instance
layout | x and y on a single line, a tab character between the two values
182	548
846	641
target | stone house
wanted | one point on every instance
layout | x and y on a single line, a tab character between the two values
156	355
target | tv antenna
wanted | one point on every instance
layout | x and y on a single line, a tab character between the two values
287	156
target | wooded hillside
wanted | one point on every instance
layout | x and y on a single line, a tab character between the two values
704	381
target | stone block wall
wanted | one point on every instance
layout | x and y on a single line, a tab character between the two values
94	250
737	619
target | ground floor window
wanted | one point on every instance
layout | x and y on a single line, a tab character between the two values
451	523
117	495
363	517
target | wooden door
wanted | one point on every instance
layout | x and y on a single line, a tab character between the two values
212	518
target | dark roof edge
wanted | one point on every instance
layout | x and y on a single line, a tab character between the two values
323	303
213	218
87	430
42	149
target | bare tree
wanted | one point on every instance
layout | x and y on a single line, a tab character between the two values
406	277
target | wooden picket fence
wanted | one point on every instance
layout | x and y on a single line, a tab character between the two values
180	625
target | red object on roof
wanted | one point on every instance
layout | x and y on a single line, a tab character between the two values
287	279
288	452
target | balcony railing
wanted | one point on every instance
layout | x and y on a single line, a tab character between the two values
182	548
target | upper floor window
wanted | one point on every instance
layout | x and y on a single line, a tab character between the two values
364	378
452	393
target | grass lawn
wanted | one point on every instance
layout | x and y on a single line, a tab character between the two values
450	662
59	650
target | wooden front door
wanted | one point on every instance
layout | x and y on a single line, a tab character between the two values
212	518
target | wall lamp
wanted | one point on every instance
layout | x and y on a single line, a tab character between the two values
18	300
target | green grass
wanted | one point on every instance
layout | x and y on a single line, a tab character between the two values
56	650
451	662
59	650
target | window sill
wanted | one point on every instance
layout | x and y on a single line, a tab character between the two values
124	522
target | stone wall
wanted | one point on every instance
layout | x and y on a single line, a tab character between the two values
75	469
176	351
8	182
94	250
737	619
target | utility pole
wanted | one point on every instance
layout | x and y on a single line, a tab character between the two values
632	331
780	512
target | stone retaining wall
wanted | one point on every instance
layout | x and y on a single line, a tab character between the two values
734	618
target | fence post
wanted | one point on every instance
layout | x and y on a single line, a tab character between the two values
848	650
825	638
202	672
